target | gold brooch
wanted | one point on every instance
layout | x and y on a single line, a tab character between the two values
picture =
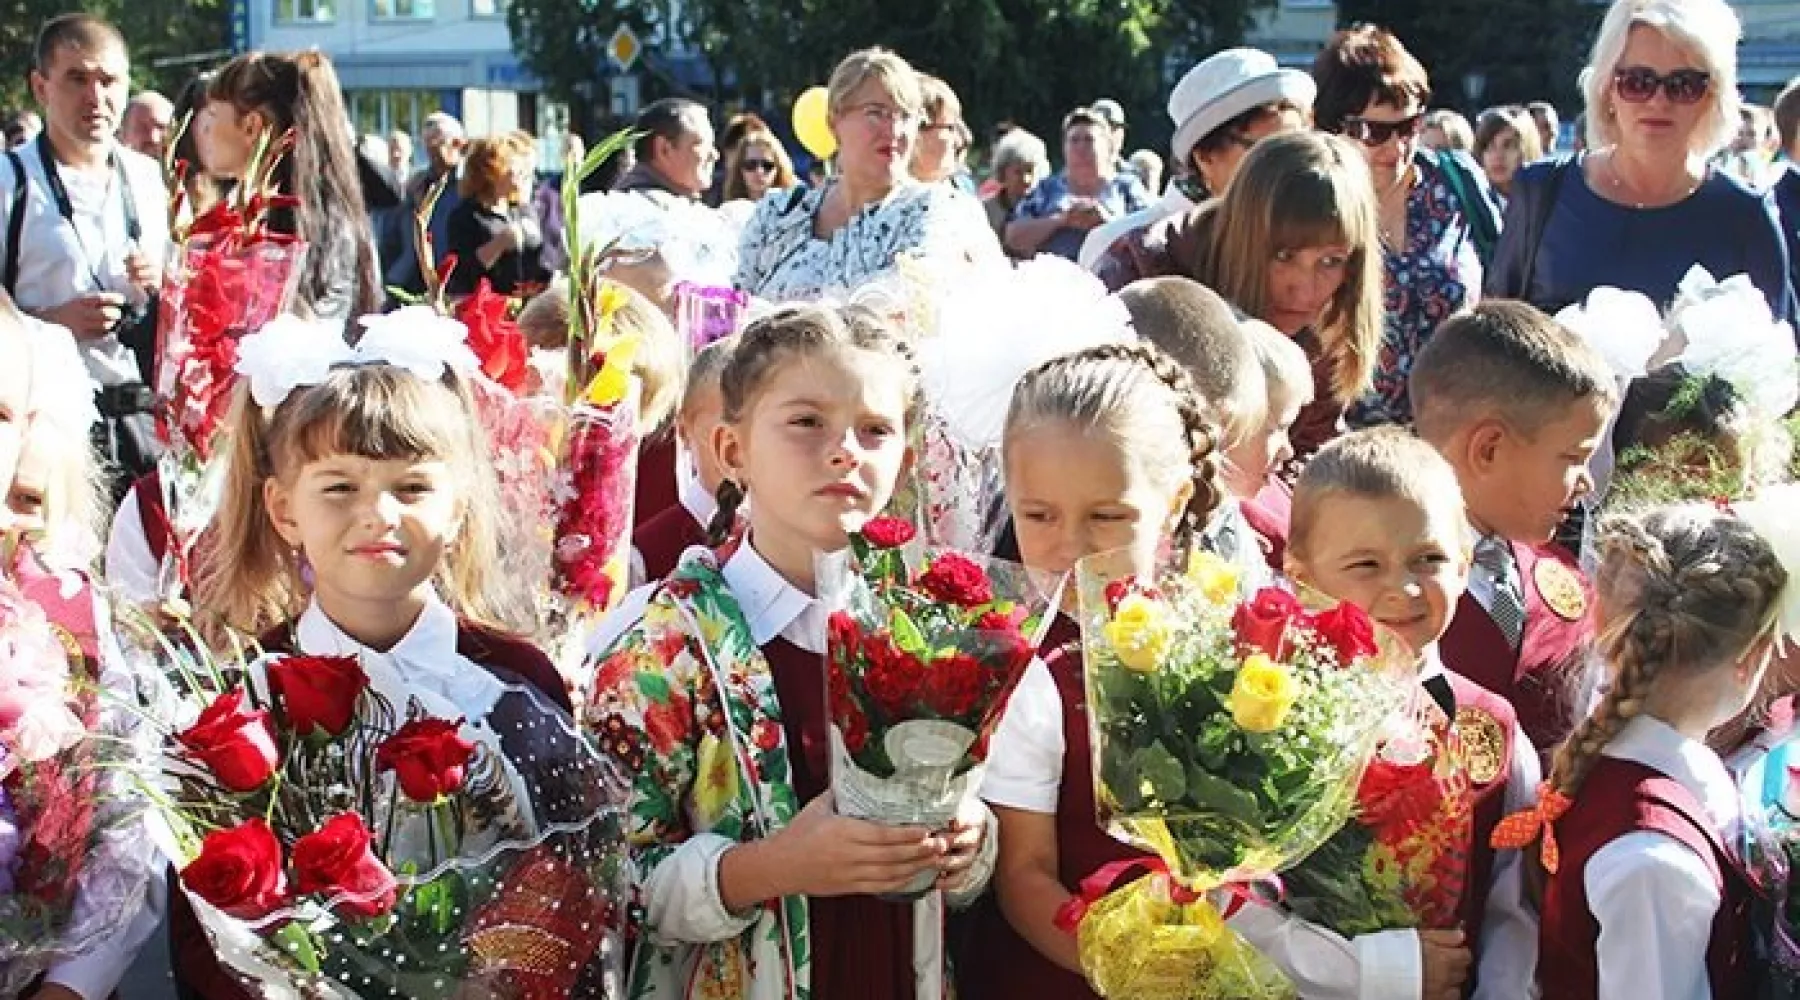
1483	744
1561	589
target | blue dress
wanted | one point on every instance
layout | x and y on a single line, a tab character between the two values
1122	195
1589	242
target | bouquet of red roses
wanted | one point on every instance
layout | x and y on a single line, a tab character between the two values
233	274
921	645
341	828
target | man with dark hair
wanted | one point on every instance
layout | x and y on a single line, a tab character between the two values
85	229
675	153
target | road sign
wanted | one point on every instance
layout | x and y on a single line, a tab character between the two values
624	48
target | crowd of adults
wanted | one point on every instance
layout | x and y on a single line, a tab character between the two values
1336	205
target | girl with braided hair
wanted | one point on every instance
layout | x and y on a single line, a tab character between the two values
1105	449
751	885
1642	898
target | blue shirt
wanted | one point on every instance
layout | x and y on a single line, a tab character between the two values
1123	194
1589	242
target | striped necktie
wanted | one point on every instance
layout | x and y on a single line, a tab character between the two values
1495	557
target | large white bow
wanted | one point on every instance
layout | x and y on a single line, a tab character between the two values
1775	514
291	352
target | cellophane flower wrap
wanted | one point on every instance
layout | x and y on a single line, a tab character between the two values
75	854
1770	850
1229	735
230	275
708	313
921	643
342	830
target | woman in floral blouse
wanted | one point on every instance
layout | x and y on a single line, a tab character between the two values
1088	192
1372	91
808	242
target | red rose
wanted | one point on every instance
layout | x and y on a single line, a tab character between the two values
1011	650
953	685
239	871
893	676
428	755
335	860
1262	623
234	744
955	579
855	731
318	692
1349	631
888	532
1124	587
494	336
1396	799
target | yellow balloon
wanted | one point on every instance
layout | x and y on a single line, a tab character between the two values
812	122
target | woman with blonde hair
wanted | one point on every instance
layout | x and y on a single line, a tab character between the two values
1644	204
493	231
859	222
1293	243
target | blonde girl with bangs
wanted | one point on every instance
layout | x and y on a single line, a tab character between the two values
359	519
1293	242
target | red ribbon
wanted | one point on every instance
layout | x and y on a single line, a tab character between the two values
1096	886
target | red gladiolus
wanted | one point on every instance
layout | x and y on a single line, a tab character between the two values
336	860
494	337
233	743
429	756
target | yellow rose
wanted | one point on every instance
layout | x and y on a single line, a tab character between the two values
1262	694
715	780
1216	577
1139	633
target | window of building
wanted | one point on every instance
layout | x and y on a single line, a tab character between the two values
487	8
402	10
304	11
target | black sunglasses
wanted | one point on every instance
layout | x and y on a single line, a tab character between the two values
1374	133
760	166
1637	84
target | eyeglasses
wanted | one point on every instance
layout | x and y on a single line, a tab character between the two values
760	166
882	115
1637	84
1374	133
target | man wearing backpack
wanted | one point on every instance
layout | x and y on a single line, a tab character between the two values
85	228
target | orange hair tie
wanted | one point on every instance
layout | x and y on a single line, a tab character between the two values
1517	831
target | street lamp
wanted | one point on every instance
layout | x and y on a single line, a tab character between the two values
1474	84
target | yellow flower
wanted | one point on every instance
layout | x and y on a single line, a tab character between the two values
715	780
1139	633
1217	578
613	380
1262	694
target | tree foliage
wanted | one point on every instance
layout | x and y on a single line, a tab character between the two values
1526	49
155	30
1027	61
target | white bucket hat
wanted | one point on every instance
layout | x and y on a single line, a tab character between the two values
1227	84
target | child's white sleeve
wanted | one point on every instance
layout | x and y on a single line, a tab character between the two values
1385	965
682	901
1506	966
1654	900
131	568
1025	756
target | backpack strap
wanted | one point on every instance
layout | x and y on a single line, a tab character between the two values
15	223
1484	229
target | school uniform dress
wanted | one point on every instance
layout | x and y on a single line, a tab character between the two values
140	535
465	664
1269	514
657	544
1647	902
1541	668
714	699
1503	773
657	488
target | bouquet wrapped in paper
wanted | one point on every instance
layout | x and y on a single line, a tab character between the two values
75	856
341	831
231	275
707	313
919	648
1229	735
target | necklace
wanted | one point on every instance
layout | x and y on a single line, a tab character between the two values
1616	181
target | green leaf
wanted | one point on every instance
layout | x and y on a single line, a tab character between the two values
907	635
1161	772
1210	792
655	686
298	943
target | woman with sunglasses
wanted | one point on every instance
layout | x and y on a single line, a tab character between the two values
757	166
1434	207
1642	206
823	240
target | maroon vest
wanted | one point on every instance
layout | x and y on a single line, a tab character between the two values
656	487
151	513
513	660
1007	966
1544	679
1489	795
861	946
663	538
1619	797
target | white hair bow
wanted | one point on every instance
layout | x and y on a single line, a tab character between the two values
1775	514
291	352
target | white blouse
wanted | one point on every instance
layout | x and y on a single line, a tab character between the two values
780	259
1653	898
1024	772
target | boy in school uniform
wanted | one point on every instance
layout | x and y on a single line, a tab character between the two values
1518	404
